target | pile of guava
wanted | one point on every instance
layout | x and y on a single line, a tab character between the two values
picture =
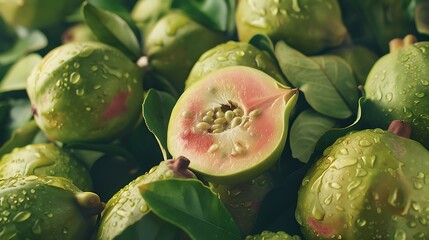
214	119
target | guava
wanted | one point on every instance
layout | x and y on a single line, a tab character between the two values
127	206
397	87
232	124
174	45
79	32
145	13
309	26
85	92
370	184
243	200
46	208
233	53
34	14
45	159
268	235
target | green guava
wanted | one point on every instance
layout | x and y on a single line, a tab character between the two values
174	45
127	206
46	208
309	26
370	184
232	124
85	92
233	53
45	159
268	235
145	13
37	13
397	87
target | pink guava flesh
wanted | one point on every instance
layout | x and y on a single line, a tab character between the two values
320	228
116	107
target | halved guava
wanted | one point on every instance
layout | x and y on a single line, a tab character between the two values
232	124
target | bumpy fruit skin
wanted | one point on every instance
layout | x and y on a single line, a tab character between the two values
397	87
174	45
45	159
46	208
360	58
233	53
232	124
309	26
268	235
36	13
85	92
128	206
244	200
78	33
370	184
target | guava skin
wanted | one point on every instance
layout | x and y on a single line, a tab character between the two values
397	87
309	26
85	92
45	159
145	13
268	235
33	14
174	45
46	208
370	184
127	206
233	53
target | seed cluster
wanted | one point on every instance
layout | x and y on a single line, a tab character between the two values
224	117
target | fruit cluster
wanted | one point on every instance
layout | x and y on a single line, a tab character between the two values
214	119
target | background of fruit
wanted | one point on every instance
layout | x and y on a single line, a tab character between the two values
174	43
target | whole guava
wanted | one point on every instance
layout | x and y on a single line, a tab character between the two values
309	26
145	13
47	208
233	53
370	184
175	43
37	13
397	87
45	159
85	92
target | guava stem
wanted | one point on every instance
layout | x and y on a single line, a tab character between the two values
400	128
398	43
180	166
143	62
90	203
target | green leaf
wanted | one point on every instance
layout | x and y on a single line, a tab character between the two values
150	227
16	77
28	41
20	137
19	114
157	107
327	82
306	130
214	14
191	206
111	29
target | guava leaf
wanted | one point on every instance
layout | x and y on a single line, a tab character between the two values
114	6
16	113
156	81
327	82
29	41
150	227
214	14
16	77
111	29
306	130
157	107
191	206
20	137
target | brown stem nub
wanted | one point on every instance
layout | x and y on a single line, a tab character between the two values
90	203
398	43
400	128
180	166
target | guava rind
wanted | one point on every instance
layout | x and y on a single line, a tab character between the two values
368	184
397	87
33	14
307	25
45	159
269	235
43	208
85	92
233	53
263	139
127	206
175	43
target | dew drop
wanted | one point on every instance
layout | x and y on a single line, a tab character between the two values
22	216
36	228
389	96
258	23
94	68
65	230
364	143
420	94
361	222
74	77
424	82
400	234
144	208
80	92
335	185
88	109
